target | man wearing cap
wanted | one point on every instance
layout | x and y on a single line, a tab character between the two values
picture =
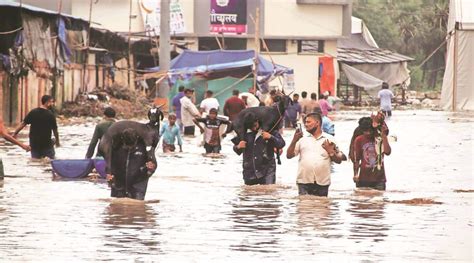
188	112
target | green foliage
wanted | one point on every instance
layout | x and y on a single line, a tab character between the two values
411	27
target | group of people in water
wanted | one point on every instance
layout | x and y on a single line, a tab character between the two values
313	142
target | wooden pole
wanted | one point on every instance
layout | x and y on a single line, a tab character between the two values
150	38
60	4
129	44
270	56
219	43
157	41
87	47
257	47
222	33
165	58
455	63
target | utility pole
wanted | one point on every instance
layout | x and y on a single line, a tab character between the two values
257	47
163	89
129	62
85	67
56	45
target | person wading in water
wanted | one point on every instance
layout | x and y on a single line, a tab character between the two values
131	167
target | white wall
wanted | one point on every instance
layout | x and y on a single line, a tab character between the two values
113	14
286	18
306	69
110	14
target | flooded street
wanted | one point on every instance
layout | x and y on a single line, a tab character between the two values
198	209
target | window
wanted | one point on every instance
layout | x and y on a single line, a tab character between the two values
210	43
310	46
274	45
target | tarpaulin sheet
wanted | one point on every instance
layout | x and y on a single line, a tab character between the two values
326	82
361	79
458	81
202	61
65	51
222	88
38	43
392	73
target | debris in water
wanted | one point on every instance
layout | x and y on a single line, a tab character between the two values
417	201
128	103
463	191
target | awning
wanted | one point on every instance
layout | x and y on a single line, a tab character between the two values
192	62
360	78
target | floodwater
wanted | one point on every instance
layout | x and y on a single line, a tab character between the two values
197	208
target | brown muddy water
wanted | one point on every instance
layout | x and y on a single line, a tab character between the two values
197	208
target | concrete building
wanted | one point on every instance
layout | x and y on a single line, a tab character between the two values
42	52
297	32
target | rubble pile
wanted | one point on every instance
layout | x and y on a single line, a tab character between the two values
127	103
423	99
413	100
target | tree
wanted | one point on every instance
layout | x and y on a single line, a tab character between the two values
411	27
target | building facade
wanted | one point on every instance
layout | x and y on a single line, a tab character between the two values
296	32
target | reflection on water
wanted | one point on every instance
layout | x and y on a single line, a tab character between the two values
131	213
318	215
130	226
204	212
367	208
255	214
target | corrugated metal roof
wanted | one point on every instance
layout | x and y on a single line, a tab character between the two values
356	50
375	56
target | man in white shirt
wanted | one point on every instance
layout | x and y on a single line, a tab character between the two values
188	112
385	95
316	151
249	99
209	103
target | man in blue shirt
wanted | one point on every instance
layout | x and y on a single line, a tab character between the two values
293	112
176	103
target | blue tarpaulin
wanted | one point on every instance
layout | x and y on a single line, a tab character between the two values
66	52
204	61
188	68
